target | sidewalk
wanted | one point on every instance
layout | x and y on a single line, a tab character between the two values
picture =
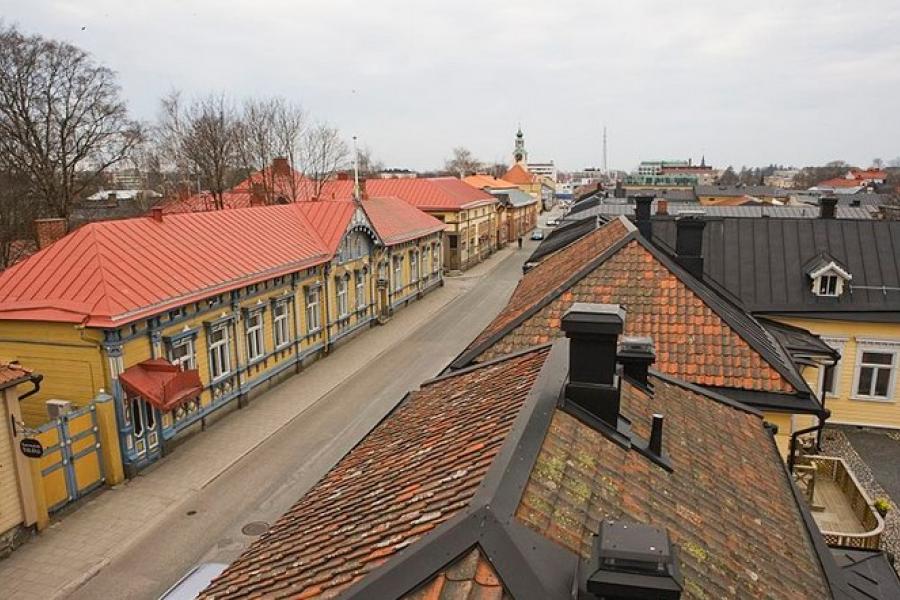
80	543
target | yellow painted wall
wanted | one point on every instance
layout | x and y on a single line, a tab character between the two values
466	225
11	513
844	408
72	367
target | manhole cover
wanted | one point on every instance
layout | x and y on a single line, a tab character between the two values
255	528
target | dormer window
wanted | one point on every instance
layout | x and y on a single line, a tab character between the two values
828	285
828	277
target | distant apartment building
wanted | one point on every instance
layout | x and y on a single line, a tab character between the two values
781	179
674	172
544	169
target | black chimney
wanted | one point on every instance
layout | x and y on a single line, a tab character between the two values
593	331
689	243
827	207
636	355
642	204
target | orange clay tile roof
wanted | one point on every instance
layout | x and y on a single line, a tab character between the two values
471	577
112	272
419	467
693	341
727	503
488	181
554	271
519	175
839	182
12	373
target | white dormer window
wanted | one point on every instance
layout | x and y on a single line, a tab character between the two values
828	280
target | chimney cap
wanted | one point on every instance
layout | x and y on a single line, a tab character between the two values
636	346
591	318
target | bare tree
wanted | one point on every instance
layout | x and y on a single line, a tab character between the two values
322	153
368	165
462	163
271	128
202	137
18	209
62	122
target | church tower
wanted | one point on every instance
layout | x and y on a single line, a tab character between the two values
520	155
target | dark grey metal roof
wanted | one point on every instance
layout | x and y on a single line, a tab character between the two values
869	574
761	261
614	209
741	190
513	196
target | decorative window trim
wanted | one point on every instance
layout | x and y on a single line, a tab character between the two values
307	306
223	325
277	304
257	331
891	347
189	362
341	293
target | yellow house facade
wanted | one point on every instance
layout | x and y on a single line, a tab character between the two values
186	340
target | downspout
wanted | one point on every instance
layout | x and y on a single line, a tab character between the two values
792	449
326	306
237	352
295	308
35	380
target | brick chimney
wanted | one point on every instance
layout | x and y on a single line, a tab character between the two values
281	167
257	194
662	206
363	191
156	213
48	231
343	176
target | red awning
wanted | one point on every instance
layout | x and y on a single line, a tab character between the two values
161	383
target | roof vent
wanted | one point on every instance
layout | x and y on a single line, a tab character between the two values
636	355
633	560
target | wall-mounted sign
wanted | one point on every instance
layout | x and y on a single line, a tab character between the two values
31	448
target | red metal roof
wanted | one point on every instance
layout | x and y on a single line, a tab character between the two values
113	272
434	193
161	383
397	221
329	219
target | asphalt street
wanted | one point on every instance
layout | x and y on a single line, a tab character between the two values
207	527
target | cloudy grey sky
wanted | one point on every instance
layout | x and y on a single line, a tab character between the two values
789	81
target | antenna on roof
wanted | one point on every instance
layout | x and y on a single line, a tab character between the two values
355	170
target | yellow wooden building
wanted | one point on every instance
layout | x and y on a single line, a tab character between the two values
182	315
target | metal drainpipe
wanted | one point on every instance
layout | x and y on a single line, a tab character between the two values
35	380
792	448
237	355
326	300
294	309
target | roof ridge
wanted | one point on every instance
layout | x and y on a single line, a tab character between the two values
102	269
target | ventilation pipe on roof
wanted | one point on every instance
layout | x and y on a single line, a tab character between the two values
157	213
827	207
689	243
642	206
593	331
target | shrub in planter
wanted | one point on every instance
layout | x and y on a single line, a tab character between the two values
882	505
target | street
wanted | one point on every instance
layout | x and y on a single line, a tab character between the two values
206	524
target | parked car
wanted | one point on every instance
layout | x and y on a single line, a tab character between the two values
552	223
537	234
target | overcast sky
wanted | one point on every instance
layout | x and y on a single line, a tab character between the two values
752	83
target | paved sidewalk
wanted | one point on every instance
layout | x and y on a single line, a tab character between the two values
80	543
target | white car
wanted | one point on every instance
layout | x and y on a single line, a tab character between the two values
552	223
537	234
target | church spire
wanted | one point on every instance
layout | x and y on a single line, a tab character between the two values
520	154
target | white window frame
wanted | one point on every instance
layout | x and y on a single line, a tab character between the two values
313	319
831	283
891	347
435	258
343	307
836	344
189	360
281	323
414	266
360	290
219	352
253	333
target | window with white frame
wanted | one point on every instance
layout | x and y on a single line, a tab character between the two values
398	273
281	323
219	351
253	330
827	285
828	279
414	266
435	258
181	353
875	370
313	322
341	288
360	290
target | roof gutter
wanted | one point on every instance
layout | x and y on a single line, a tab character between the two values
35	379
792	449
